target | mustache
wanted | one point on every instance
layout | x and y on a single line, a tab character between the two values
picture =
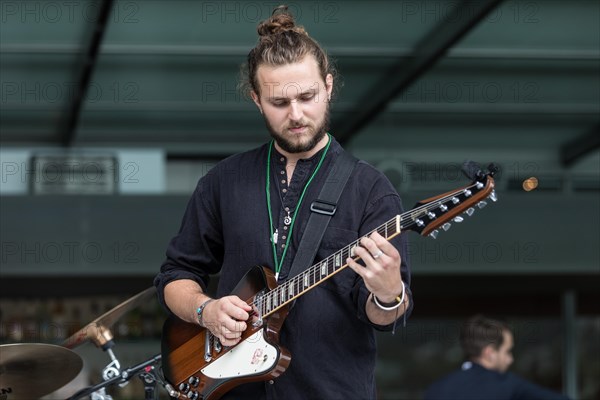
298	124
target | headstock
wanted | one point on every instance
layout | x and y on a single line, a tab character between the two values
440	211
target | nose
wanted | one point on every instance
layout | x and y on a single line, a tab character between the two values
295	113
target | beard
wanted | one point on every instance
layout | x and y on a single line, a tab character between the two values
298	146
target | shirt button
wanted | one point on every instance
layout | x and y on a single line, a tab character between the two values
285	228
283	181
283	246
282	159
287	209
283	237
284	190
282	172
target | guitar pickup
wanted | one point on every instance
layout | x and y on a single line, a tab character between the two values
207	346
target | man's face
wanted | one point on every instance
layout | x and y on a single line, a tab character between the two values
295	103
503	358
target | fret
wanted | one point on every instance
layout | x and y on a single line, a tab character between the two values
354	245
386	230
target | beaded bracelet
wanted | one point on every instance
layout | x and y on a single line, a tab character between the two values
399	300
200	310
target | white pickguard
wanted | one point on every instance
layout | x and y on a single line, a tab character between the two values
252	356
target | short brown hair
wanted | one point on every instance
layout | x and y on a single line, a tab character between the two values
478	332
282	42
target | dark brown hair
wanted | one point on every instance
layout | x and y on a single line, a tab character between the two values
478	332
282	42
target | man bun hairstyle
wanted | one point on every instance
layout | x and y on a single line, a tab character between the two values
280	42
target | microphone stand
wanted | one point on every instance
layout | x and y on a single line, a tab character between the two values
144	369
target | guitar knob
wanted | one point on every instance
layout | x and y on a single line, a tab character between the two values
446	226
434	234
458	219
194	381
184	387
493	196
481	204
470	211
193	395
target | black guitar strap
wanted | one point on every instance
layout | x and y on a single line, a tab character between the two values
322	210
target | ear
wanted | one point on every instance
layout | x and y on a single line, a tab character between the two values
256	100
489	354
329	85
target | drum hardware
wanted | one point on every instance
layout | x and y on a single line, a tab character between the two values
33	370
147	372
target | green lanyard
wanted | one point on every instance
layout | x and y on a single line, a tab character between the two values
279	263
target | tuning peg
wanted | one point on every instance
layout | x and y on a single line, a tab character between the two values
458	219
430	215
481	204
493	196
479	185
420	222
468	192
446	226
434	234
470	211
444	208
455	200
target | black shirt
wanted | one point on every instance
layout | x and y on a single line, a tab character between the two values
474	382
225	230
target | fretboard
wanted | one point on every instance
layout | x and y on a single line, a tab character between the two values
296	286
416	219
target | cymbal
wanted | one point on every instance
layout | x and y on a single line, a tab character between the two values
98	330
32	370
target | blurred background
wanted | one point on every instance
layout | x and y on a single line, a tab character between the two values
112	110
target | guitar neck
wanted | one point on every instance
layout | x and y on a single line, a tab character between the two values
420	219
296	286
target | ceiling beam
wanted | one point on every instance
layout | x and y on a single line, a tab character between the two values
88	64
575	149
427	52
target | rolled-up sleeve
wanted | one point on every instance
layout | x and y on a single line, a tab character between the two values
197	250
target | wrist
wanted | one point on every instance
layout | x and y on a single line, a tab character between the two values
389	305
200	312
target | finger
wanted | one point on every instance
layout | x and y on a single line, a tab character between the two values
228	342
240	303
359	269
375	251
232	326
236	308
383	244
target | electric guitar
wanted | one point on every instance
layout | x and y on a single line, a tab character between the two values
199	367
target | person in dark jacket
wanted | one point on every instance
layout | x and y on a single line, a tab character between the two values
487	344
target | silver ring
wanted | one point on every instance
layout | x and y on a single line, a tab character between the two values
377	255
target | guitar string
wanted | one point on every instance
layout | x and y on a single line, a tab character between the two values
329	261
329	264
